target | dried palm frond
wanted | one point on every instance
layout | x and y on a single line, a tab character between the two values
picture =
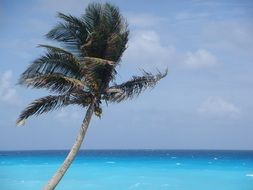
132	87
54	82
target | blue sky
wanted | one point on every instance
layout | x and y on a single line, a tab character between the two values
205	102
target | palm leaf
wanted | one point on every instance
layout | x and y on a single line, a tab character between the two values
71	32
54	82
42	105
108	32
116	45
133	87
50	103
92	16
113	18
56	60
99	15
55	49
118	33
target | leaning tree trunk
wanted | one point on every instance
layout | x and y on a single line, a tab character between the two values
73	152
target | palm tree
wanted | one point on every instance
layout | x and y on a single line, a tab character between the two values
82	70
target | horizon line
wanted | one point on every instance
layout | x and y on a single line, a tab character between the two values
130	149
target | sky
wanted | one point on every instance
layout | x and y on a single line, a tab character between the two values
205	102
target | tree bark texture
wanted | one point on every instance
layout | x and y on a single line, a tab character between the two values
73	152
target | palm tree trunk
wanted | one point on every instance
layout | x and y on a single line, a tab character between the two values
73	152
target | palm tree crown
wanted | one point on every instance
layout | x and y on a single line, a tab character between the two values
82	70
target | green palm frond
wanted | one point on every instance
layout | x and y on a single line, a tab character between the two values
99	15
56	60
113	18
72	32
92	16
54	82
54	49
108	33
116	45
133	87
50	103
118	38
42	105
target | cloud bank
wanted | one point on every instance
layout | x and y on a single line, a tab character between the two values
8	93
147	50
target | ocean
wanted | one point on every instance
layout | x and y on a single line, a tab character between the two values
130	170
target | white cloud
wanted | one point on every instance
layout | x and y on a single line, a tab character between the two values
146	50
7	93
218	107
200	59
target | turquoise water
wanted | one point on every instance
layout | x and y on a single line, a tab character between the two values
130	170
